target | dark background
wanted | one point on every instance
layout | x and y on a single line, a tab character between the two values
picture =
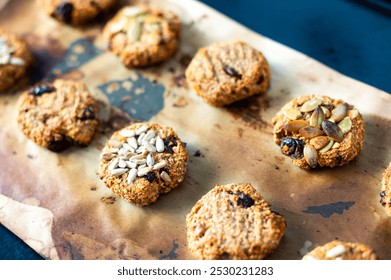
350	36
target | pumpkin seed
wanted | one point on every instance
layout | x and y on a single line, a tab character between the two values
292	113
310	105
353	114
319	142
336	145
295	125
326	112
327	147
310	132
345	125
339	112
311	155
317	117
332	130
134	31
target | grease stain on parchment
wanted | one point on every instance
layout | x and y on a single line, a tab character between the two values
327	210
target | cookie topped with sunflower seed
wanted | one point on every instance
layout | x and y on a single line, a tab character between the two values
385	194
319	131
142	35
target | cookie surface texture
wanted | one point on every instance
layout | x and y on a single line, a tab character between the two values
75	11
15	58
58	115
385	194
223	73
319	131
233	222
143	161
142	36
339	250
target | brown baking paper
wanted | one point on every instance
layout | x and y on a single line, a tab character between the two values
58	206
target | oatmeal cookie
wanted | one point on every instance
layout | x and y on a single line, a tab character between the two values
15	58
142	36
233	222
223	73
58	115
338	250
75	11
385	194
319	131
142	161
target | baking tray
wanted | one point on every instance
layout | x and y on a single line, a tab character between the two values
58	206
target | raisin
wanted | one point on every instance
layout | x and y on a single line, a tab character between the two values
383	194
151	176
64	12
88	113
41	89
197	153
292	147
260	80
231	72
168	144
244	200
60	146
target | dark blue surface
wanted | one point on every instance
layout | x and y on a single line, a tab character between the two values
352	37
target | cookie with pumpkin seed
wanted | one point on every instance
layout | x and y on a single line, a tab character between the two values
233	222
142	36
224	73
385	194
319	131
340	250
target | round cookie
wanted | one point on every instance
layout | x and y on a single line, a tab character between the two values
142	161
15	58
75	11
58	115
385	194
319	131
142	36
233	222
223	73
338	250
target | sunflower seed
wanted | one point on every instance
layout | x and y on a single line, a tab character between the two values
159	165
113	164
332	130
339	112
118	26
134	31
310	105
336	145
132	175
164	175
112	150
122	151
140	138
141	130
139	161
141	166
133	143
150	134
353	114
311	155
159	144
336	251
292	113
139	156
309	132
118	171
294	126
141	150
127	133
144	171
115	143
128	147
150	160
131	164
107	156
345	125
122	163
152	141
17	61
317	117
327	147
131	11
5	58
319	142
149	146
326	112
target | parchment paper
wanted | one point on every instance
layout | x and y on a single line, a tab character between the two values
57	204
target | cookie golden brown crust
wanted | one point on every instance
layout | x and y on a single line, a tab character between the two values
233	222
75	11
57	115
319	131
142	36
385	194
15	58
223	73
142	161
338	250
